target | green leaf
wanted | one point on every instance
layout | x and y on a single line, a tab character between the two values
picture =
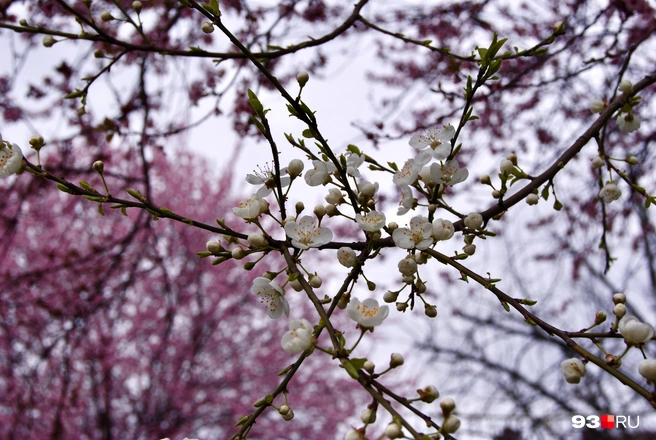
136	194
242	420
98	199
100	210
393	166
545	192
196	49
358	363
351	370
353	149
284	370
76	94
124	211
505	306
528	302
86	186
307	133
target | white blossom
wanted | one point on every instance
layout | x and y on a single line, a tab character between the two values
353	162
371	221
299	336
272	296
626	86
442	229
448	173
251	208
334	196
320	175
473	220
634	331
367	313
597	162
628	123
346	257
407	175
368	189
647	369
433	143
573	370
610	192
597	106
417	236
11	158
406	202
305	234
407	266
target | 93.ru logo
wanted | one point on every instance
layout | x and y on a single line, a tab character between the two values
605	421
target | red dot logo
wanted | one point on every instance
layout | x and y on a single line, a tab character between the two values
607	421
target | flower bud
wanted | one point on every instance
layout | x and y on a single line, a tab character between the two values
344	302
302	78
532	199
80	111
331	210
496	194
512	157
22	22
485	179
289	218
269	275
368	416
597	106
469	249
392	226
48	41
619	298
430	310
256	240
368	189
319	211
290	415
597	162
295	167
284	410
619	310
136	6
450	424
315	281
626	86
390	296
98	166
207	27
420	286
506	166
401	307
407	266
106	16
632	160
396	360
600	317
613	361
214	246
448	405
300	206
428	394
354	434
647	369
296	285
473	221
559	28
393	430
369	367
238	253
